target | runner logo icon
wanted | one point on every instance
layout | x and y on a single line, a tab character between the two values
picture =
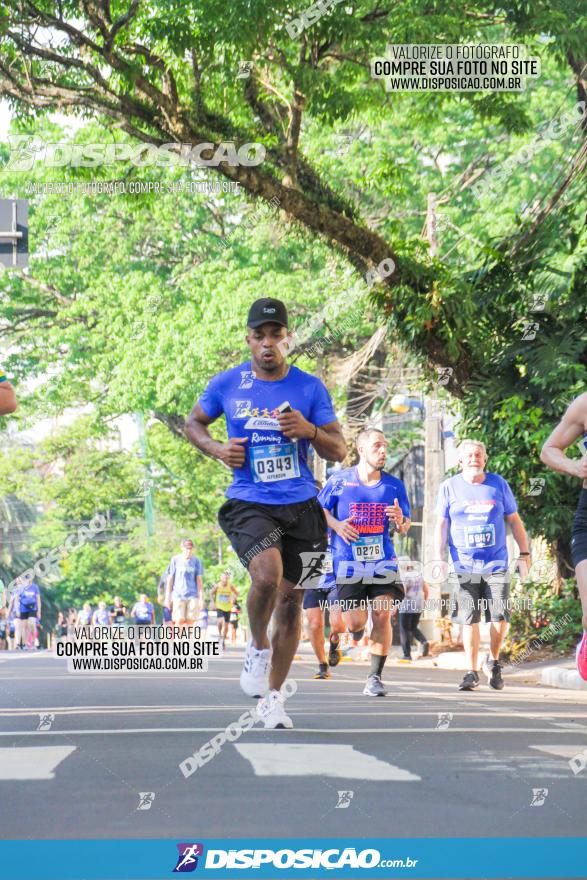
187	859
312	571
344	799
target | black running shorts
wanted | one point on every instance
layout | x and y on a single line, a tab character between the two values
26	615
355	590
473	594
223	615
320	598
297	530
579	533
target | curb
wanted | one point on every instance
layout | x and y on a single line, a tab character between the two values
555	676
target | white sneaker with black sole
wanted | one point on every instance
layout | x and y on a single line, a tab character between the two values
254	678
271	711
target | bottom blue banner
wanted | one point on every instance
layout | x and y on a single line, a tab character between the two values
224	859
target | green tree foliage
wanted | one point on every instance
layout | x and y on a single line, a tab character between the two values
132	302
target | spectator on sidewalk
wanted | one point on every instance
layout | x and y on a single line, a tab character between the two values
410	611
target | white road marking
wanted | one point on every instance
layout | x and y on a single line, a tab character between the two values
333	760
32	762
295	709
331	731
572	725
561	751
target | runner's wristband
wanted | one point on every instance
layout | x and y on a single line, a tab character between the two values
315	433
523	554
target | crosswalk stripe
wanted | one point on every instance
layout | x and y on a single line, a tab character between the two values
561	751
331	731
313	759
296	709
32	762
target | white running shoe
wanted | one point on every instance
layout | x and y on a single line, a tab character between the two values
270	710
255	672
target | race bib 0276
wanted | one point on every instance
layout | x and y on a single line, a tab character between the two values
369	547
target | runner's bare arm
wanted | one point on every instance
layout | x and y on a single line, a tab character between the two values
344	528
331	520
168	585
571	426
404	528
440	537
519	532
231	453
327	440
521	538
7	397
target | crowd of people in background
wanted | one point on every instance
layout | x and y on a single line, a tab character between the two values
180	597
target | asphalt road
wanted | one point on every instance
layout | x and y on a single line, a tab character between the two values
115	736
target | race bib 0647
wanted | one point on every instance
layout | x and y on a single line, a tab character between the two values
480	536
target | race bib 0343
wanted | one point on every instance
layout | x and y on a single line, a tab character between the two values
276	462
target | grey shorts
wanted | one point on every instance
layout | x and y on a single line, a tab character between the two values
474	595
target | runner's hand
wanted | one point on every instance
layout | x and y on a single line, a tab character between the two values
295	426
524	564
395	513
346	530
233	452
580	468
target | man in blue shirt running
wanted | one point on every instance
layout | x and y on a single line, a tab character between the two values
362	504
274	413
473	508
184	588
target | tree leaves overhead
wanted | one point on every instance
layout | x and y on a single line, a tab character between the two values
133	301
168	72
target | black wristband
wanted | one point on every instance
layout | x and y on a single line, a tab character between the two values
523	554
315	433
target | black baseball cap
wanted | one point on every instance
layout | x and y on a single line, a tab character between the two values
267	311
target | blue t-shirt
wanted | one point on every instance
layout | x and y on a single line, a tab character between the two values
345	496
101	617
28	598
476	511
184	573
276	468
143	612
